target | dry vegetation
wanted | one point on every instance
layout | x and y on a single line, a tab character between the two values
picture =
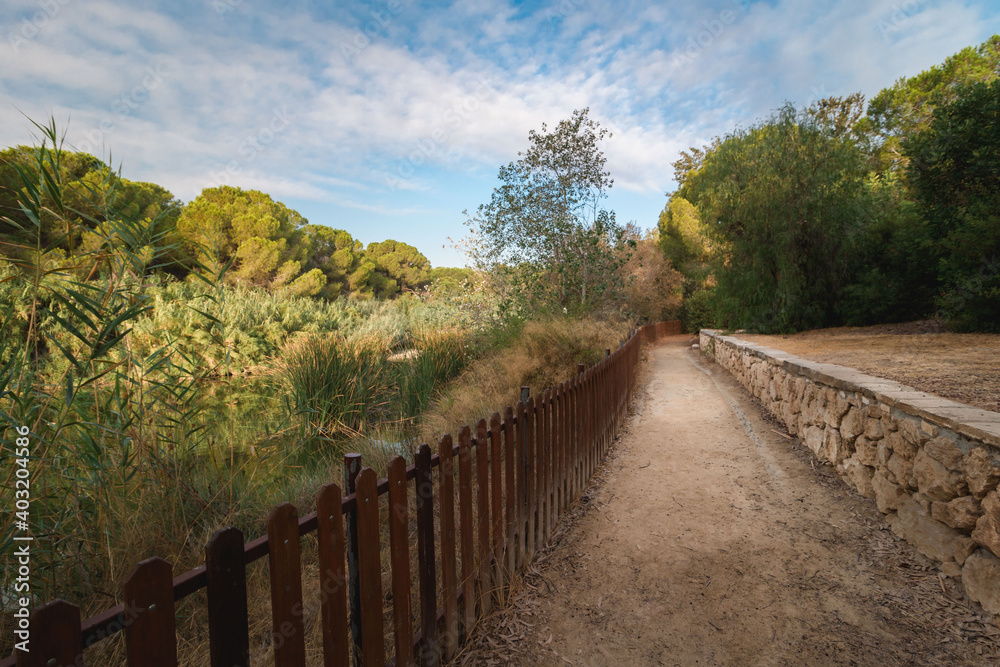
960	367
545	354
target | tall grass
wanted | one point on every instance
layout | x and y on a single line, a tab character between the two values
537	354
106	363
337	385
346	386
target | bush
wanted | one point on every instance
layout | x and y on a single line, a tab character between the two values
698	311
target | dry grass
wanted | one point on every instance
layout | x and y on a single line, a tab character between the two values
545	354
961	367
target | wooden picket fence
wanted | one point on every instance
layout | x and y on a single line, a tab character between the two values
515	479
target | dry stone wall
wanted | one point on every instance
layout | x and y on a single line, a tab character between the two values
931	465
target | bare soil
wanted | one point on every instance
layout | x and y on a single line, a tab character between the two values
961	367
710	537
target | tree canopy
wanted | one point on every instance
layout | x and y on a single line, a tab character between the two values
955	171
544	233
847	214
258	240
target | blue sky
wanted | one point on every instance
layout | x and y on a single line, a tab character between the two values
390	118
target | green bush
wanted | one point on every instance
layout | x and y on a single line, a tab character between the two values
699	311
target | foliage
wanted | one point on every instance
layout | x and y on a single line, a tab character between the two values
699	311
906	107
336	385
683	239
893	278
955	168
243	235
105	429
262	239
782	201
543	241
132	454
401	267
538	353
652	288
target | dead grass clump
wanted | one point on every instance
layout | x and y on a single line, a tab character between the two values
546	353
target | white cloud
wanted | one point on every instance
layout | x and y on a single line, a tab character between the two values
430	96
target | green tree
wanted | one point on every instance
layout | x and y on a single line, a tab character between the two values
339	257
955	171
544	237
402	267
261	237
907	106
782	200
683	239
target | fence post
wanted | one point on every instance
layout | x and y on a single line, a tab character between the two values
286	586
399	548
496	506
579	419
332	579
466	545
150	640
225	571
446	500
370	570
483	490
56	636
352	467
511	464
430	652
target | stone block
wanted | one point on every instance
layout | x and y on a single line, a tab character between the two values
923	501
873	429
991	503
931	538
901	469
902	446
867	451
888	496
935	480
945	452
852	425
987	532
910	428
981	470
981	580
813	439
860	476
835	407
884	453
834	448
930	429
960	513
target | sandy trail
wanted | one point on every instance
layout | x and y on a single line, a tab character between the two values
711	539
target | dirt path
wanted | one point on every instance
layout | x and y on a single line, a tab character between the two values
710	539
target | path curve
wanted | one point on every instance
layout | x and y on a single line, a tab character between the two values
713	539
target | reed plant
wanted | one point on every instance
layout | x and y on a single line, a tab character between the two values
338	386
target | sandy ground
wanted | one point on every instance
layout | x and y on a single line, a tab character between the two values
708	538
962	367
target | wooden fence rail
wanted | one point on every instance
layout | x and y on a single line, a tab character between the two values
514	479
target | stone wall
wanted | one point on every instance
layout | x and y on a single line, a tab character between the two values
931	465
